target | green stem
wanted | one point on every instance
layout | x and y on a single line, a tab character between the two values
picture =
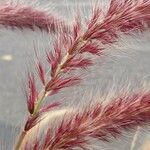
39	103
20	140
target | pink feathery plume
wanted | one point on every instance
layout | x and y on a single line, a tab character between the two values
28	17
69	49
123	16
98	121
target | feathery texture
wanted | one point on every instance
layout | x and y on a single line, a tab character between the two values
31	94
67	55
122	16
98	121
27	17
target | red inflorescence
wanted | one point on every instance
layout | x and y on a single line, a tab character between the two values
100	122
27	17
123	16
32	93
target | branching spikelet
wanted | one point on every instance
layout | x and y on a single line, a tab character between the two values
32	93
123	16
59	83
38	117
98	121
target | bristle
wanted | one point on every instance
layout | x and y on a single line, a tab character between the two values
41	72
59	83
31	93
49	107
78	63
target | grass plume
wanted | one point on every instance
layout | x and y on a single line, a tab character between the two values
98	121
68	54
21	17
